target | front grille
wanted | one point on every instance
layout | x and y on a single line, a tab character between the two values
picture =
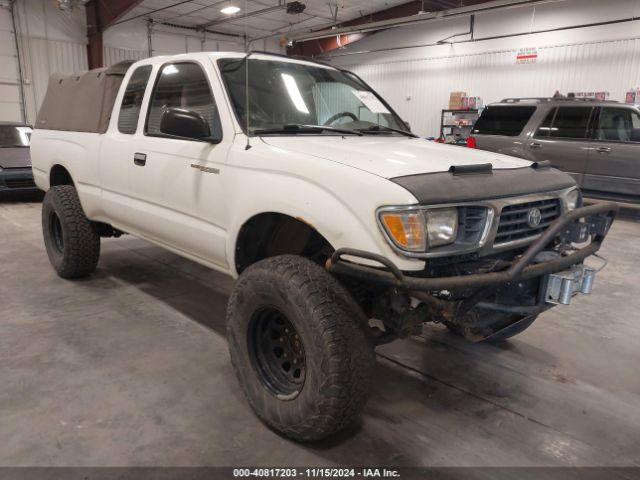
473	221
513	220
20	183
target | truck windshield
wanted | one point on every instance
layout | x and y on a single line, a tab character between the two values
14	136
290	98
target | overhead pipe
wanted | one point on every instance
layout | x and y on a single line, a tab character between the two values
482	39
14	26
470	32
197	29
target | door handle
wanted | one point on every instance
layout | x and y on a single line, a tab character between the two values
140	159
535	145
603	150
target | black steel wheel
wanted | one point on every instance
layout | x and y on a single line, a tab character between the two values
277	352
56	232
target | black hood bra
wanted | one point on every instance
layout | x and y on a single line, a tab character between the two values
452	187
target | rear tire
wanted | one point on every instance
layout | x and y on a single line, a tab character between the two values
298	348
71	240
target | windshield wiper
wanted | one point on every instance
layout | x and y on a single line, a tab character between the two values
295	128
384	128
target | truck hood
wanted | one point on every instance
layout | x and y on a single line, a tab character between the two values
18	157
391	157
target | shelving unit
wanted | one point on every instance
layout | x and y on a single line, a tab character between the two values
458	123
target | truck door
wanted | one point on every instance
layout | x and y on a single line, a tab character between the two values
562	139
613	166
118	147
176	186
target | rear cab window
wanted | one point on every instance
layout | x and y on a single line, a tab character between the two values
132	100
503	120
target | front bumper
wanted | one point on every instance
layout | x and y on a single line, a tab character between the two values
587	226
17	180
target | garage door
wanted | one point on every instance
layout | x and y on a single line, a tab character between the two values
10	109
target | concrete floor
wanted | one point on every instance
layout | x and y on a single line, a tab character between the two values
130	368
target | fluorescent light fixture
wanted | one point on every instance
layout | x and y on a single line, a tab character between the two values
230	10
294	93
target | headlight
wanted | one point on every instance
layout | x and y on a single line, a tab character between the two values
414	230
572	200
406	229
442	226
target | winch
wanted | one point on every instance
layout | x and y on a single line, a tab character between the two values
563	286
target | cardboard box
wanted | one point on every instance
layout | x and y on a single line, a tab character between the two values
455	100
473	103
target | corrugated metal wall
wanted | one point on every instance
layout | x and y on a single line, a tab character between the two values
10	109
418	89
41	58
52	40
114	55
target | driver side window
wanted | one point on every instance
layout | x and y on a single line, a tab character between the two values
182	85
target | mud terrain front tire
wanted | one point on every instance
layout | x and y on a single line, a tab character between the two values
299	348
72	242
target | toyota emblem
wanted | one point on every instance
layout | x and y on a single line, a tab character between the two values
534	217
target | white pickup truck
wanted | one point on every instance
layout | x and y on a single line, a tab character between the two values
344	229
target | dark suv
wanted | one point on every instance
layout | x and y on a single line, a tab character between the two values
15	158
597	142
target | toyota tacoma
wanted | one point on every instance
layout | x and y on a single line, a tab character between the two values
344	229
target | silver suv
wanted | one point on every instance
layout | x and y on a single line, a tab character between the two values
597	142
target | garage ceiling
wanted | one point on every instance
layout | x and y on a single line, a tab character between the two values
266	17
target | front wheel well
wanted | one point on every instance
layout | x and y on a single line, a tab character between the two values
59	176
270	234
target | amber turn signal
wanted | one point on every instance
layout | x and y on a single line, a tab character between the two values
406	229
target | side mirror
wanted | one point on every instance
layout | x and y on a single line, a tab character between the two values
179	122
408	125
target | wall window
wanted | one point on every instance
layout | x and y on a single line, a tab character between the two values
618	125
571	122
132	100
182	85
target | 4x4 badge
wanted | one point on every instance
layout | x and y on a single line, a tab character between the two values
534	217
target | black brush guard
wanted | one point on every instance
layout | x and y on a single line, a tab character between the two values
580	225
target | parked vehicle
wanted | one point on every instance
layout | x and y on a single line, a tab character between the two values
312	193
596	142
15	158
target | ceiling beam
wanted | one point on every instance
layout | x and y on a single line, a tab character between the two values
318	46
100	15
471	7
